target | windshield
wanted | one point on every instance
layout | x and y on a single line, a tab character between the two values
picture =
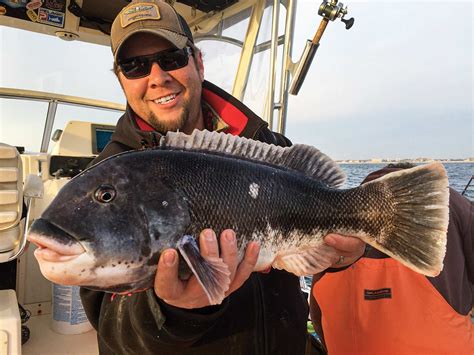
30	61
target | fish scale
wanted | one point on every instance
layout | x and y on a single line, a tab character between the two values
287	199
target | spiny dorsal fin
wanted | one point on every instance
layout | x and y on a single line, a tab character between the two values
303	158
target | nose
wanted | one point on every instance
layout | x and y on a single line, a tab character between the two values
158	76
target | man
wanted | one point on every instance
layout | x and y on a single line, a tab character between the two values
162	74
379	306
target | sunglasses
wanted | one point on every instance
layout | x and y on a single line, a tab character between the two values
170	59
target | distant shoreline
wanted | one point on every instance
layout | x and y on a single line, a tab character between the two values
404	161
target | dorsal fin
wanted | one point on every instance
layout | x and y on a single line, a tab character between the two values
303	158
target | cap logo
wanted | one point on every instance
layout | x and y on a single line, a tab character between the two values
138	12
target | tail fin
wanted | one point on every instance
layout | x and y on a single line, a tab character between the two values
417	236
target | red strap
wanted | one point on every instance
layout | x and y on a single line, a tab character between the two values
143	125
231	115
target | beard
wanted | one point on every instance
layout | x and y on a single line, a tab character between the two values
162	126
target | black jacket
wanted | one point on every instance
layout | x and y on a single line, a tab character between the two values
267	315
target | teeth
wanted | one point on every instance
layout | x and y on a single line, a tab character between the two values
165	99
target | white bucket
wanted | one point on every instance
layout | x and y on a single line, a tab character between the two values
67	311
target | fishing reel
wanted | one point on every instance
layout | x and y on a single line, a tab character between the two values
330	11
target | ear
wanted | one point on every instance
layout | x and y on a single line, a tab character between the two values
200	65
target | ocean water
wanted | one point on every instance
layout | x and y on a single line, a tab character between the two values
458	174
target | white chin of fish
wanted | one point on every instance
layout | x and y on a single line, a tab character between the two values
75	271
61	263
82	270
78	269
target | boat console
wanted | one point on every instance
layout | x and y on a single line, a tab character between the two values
28	183
78	144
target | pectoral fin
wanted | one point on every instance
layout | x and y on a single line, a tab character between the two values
302	262
212	273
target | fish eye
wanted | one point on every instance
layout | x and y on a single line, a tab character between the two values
105	194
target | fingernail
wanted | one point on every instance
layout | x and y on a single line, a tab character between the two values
230	237
330	241
169	258
209	235
254	249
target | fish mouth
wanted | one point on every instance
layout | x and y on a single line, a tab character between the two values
54	244
50	250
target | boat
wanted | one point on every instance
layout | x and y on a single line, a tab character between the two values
65	147
29	180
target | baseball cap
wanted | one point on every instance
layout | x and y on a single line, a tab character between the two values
152	16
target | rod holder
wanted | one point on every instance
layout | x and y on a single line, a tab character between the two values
303	67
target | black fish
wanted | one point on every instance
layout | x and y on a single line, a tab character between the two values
107	227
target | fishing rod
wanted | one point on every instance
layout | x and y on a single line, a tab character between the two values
330	11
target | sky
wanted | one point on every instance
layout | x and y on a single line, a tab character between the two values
398	84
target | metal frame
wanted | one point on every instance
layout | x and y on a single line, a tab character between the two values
270	107
54	100
250	48
287	66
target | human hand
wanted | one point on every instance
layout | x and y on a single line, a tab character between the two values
188	293
349	249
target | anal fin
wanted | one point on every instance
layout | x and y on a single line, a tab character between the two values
212	273
308	261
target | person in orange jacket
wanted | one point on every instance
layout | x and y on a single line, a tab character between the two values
379	306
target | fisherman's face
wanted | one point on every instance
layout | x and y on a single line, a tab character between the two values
167	100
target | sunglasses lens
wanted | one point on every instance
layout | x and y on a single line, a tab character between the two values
136	67
173	60
139	67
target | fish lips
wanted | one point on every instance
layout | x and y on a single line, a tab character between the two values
54	244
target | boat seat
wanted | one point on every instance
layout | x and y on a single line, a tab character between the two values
11	197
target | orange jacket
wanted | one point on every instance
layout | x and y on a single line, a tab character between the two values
378	306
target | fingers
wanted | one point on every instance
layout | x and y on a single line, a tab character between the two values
239	273
344	243
349	249
189	294
167	284
246	266
183	294
229	251
208	244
